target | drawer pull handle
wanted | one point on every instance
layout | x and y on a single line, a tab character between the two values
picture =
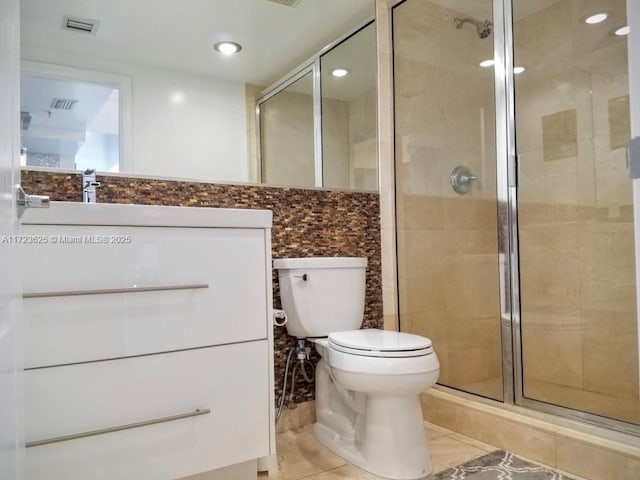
129	426
108	291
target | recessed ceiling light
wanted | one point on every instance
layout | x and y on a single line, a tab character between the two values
227	48
597	18
339	72
622	31
487	63
177	98
517	70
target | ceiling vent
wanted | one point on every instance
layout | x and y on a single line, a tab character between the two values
288	3
63	104
82	25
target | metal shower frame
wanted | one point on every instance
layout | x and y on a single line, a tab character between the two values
508	242
508	245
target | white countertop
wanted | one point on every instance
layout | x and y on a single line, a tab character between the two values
77	213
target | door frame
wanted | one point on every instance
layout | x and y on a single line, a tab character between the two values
11	431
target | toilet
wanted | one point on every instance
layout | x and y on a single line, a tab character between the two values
367	381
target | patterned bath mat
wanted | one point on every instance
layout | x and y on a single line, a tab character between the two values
499	465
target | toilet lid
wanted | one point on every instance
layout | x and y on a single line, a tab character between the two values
380	343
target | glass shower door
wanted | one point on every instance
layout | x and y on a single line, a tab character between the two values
448	276
575	208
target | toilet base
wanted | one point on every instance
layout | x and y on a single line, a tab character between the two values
388	441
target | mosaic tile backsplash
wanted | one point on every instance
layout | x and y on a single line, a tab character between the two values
306	223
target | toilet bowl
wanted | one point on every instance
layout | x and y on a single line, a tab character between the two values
367	381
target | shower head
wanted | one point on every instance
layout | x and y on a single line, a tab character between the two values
484	28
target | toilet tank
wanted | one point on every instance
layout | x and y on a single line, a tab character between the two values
322	294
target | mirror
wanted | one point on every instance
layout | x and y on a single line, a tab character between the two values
185	109
287	135
318	128
348	79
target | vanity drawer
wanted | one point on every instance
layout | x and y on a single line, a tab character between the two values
231	381
216	292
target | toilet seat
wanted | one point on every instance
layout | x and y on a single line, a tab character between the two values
380	343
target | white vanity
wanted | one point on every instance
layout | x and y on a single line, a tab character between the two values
148	342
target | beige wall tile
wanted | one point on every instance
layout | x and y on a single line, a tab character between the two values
536	213
420	270
619	122
471	285
475	352
469	213
386	175
610	353
560	135
473	242
387	245
607	258
476	443
597	463
287	132
549	266
420	211
611	404
528	441
552	347
612	183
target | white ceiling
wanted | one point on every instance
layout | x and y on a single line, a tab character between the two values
63	131
180	34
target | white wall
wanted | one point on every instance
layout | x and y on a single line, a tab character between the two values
184	125
188	126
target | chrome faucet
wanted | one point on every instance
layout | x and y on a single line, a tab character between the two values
89	186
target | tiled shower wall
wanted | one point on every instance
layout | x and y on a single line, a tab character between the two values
306	223
575	217
447	242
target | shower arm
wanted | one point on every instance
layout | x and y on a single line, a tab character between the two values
483	28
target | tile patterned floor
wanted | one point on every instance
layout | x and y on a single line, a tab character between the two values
301	456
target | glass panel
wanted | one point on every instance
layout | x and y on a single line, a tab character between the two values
69	124
579	340
287	140
447	241
349	113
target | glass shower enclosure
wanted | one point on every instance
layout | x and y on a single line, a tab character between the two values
515	232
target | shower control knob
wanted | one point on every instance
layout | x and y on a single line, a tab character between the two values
461	179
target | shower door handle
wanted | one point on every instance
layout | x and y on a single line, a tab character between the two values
514	171
633	158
